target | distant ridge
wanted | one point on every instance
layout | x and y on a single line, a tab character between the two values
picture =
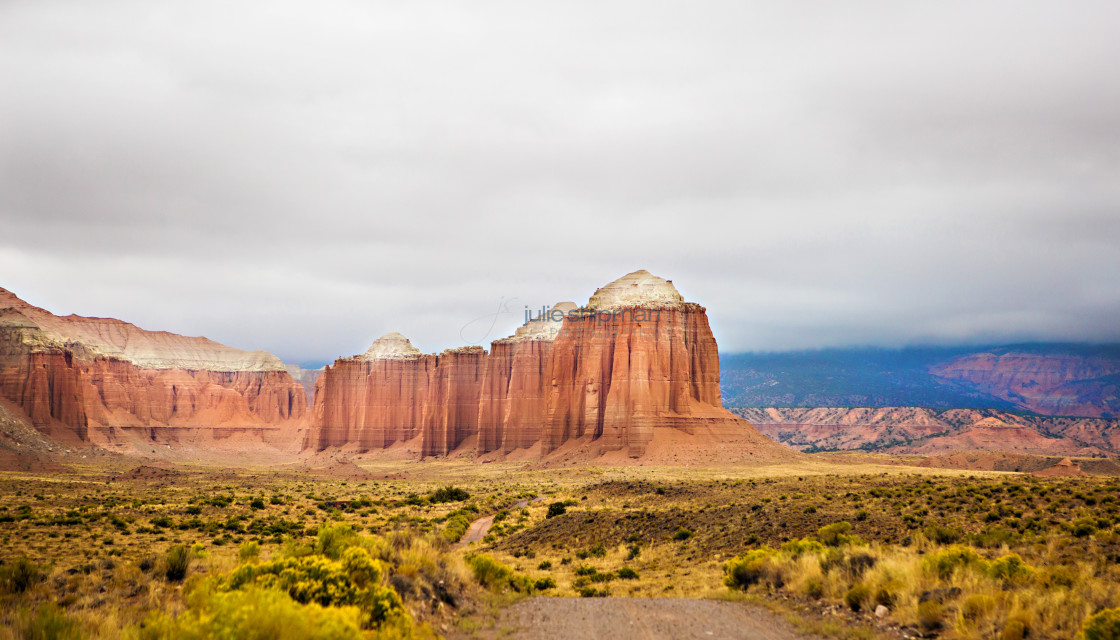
1053	379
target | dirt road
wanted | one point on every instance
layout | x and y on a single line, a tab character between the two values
480	527
642	619
477	529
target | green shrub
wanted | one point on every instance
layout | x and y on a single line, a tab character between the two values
835	534
333	540
355	580
753	567
944	563
176	563
257	503
626	573
456	528
490	573
556	509
449	493
249	552
1010	568
798	547
814	588
49	622
544	584
1084	527
20	575
943	535
857	596
253	613
1104	625
682	534
1059	576
544	565
886	595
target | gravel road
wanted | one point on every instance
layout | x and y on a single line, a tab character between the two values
642	619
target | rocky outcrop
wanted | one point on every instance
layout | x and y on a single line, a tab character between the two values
393	393
372	400
637	368
516	386
451	407
83	378
636	359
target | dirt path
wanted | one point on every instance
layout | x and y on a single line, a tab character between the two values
642	619
477	529
480	527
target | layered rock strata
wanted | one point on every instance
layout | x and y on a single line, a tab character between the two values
393	393
516	385
636	362
638	358
81	378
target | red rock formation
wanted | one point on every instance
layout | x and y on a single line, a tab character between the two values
451	408
372	400
642	371
83	377
306	378
393	393
515	387
638	359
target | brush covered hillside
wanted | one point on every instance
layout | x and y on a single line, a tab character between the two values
1079	380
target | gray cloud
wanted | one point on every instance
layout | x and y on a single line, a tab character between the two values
302	180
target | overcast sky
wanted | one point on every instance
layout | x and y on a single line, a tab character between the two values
304	177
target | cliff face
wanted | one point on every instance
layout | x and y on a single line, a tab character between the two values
373	400
516	384
637	363
81	378
619	375
393	393
451	408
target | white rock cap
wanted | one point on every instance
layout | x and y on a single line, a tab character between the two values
389	347
543	328
638	289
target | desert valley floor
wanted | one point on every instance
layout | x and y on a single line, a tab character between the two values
826	546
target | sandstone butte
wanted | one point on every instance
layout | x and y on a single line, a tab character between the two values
101	381
632	375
